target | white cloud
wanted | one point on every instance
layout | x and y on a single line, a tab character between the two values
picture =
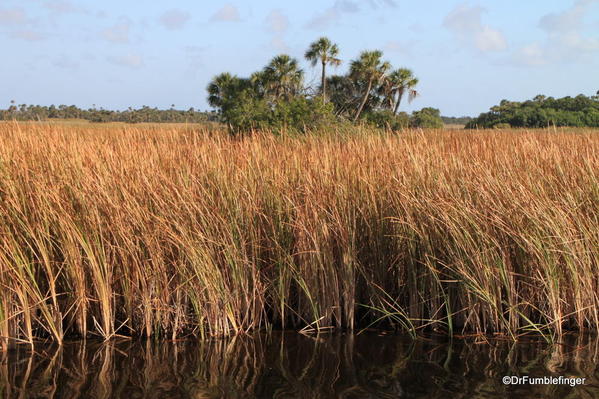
464	19
323	20
564	29
565	39
118	33
61	6
27	35
12	16
279	45
388	3
531	55
174	19
229	13
346	6
332	14
466	23
130	60
339	8
489	39
22	27
568	20
577	42
400	47
65	62
417	28
277	22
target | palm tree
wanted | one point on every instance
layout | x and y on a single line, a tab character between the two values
283	76
344	94
325	52
395	85
220	87
259	82
369	68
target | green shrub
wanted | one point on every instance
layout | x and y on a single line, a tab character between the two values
296	115
300	114
386	119
247	112
427	118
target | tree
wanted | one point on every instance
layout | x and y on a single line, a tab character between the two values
281	102
369	68
395	85
247	112
325	52
221	88
283	77
427	118
259	81
301	115
386	119
541	111
344	94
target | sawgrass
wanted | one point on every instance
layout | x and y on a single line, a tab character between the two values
166	231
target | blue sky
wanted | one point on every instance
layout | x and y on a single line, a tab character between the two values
468	55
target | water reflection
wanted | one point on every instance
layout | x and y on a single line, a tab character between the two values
289	365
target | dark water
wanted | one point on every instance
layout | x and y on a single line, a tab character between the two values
289	365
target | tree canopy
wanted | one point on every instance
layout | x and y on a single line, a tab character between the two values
542	111
325	52
277	98
24	112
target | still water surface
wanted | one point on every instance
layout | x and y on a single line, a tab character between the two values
290	365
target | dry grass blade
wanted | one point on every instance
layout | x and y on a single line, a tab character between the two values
166	232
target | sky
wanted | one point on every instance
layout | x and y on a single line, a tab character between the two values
121	53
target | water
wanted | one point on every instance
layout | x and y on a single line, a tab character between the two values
290	365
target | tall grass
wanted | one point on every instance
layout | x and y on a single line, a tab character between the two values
171	231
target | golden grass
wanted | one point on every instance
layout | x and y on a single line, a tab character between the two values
164	231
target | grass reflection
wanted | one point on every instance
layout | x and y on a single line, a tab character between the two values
290	365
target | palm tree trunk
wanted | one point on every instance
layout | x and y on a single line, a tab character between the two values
323	83
364	100
398	102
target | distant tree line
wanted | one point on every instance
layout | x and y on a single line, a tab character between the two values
24	112
277	98
541	111
456	120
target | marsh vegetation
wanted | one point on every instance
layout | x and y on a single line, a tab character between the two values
175	231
